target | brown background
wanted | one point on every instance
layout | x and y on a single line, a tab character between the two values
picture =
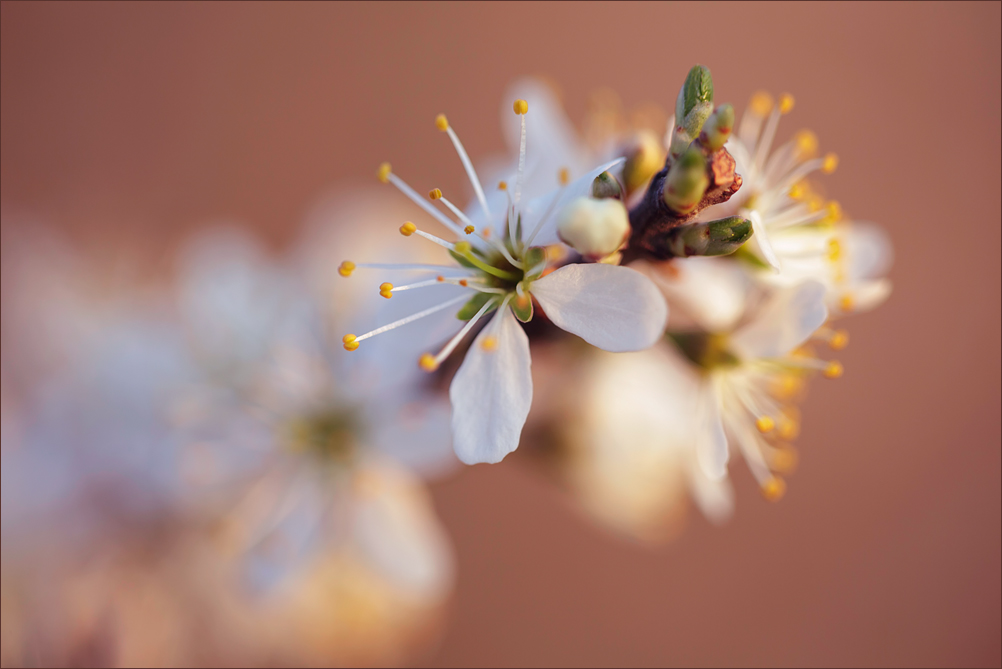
130	125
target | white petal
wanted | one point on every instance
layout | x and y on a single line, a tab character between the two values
491	394
868	249
865	296
614	308
702	293
760	241
715	498
711	442
784	322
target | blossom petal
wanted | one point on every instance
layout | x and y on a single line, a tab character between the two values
702	293
869	251
789	317
711	442
760	241
614	308
491	394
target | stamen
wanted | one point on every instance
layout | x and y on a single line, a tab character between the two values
765	424
406	267
454	342
386	290
443	124
419	201
830	163
786	103
407	229
784	460
350	342
346	268
836	339
774	489
765	141
807	144
521	108
469	229
564	176
405	321
384	172
833	370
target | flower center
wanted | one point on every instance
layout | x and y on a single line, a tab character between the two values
330	434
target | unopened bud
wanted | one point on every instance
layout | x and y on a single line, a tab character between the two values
594	228
645	155
605	186
692	107
686	182
715	238
717	128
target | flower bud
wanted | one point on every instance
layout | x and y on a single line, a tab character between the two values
715	238
686	182
594	228
692	107
645	155
717	128
605	186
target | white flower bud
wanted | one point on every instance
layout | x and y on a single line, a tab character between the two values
594	228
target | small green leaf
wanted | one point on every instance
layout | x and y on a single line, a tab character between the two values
698	88
475	304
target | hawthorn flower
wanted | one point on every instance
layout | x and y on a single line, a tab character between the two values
798	234
752	371
502	264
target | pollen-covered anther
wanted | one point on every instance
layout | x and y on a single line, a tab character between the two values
435	194
846	303
784	461
349	342
773	489
384	172
440	278
427	362
441	122
839	340
407	229
833	370
502	185
834	212
807	143
796	192
834	250
346	268
564	175
786	103
489	343
464	283
788	428
520	107
761	103
830	163
765	424
469	229
386	290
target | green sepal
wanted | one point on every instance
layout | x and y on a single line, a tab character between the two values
523	314
698	88
534	261
475	304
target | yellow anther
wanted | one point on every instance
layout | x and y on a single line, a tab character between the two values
469	229
385	288
464	283
786	103
462	248
796	192
761	103
489	343
440	278
765	424
384	172
349	342
427	362
788	429
348	338
807	143
502	185
834	212
773	489
833	370
435	193
784	461
441	122
830	163
815	203
555	252
834	250
564	175
407	229
346	268
521	106
846	303
839	340
385	293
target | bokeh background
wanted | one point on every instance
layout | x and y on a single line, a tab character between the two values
130	126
